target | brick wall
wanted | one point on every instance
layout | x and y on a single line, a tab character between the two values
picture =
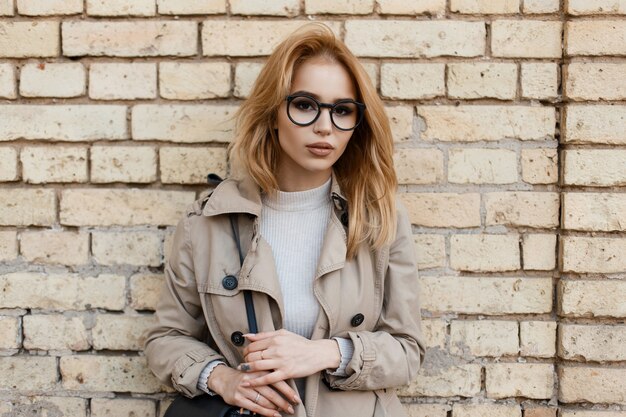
510	123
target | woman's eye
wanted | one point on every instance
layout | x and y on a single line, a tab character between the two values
343	110
304	105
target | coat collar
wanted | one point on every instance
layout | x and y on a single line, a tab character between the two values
244	196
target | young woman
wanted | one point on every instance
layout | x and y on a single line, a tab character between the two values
329	252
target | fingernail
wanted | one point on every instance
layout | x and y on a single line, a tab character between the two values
276	415
245	384
296	399
290	409
244	367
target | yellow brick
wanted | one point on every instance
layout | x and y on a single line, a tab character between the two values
593	254
105	407
538	339
28	373
29	39
187	165
540	166
183	123
272	8
595	167
55	247
484	337
426	410
334	7
596	37
8	245
46	164
120	332
430	251
53	80
149	38
530	209
412	81
588	413
191	6
435	333
401	38
63	122
6	8
7	81
580	298
246	37
582	7
443	209
27	207
54	332
482	166
126	248
65	406
592	384
601	342
127	81
482	80
530	380
491	410
145	290
540	6
419	166
436	7
526	38
463	380
487	122
485	6
123	164
595	124
594	211
121	7
401	121
192	81
475	252
8	167
9	333
49	7
596	81
539	252
539	80
246	74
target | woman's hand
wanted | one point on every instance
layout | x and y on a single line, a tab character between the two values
287	355
264	400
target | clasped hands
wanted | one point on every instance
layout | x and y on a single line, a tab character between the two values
270	359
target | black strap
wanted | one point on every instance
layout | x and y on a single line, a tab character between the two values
247	294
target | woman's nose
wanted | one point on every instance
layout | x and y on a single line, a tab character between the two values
323	125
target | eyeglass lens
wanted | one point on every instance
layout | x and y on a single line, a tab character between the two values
304	110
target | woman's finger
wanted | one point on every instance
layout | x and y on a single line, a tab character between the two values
268	379
288	392
261	335
256	356
264	365
277	400
248	404
258	397
257	346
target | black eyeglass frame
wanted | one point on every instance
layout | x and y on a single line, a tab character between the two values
360	106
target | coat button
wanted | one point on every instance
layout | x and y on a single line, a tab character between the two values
357	320
237	338
229	282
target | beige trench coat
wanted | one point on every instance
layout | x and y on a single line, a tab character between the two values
197	314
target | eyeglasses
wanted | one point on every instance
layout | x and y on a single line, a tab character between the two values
304	110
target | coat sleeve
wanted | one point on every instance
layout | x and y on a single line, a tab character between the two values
391	355
176	345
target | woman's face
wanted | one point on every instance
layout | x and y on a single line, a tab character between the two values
307	153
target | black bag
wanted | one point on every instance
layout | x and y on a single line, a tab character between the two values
214	405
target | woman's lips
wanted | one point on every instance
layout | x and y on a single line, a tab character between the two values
320	148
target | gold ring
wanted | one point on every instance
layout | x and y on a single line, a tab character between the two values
258	395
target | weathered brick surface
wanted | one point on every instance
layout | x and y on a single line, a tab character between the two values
484	337
530	380
538	338
145	290
582	7
121	7
471	252
7	81
6	8
61	291
45	405
427	410
592	298
595	167
450	381
183	123
526	39
486	295
540	6
150	38
123	407
540	166
592	384
412	81
482	80
485	6
401	121
126	248
595	124
8	245
443	209
540	412
53	80
190	165
16	208
108	81
8	169
246	74
595	37
192	81
486	122
430	251
346	7
116	332
411	8
42	164
63	122
191	6
49	7
107	373
492	410
274	8
28	373
596	81
539	80
419	166
482	166
590	413
539	252
593	254
594	211
91	207
123	164
531	209
54	332
55	247
9	333
29	39
592	343
435	333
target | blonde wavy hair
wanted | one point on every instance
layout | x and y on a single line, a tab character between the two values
365	171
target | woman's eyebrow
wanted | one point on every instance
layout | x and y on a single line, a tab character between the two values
315	96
